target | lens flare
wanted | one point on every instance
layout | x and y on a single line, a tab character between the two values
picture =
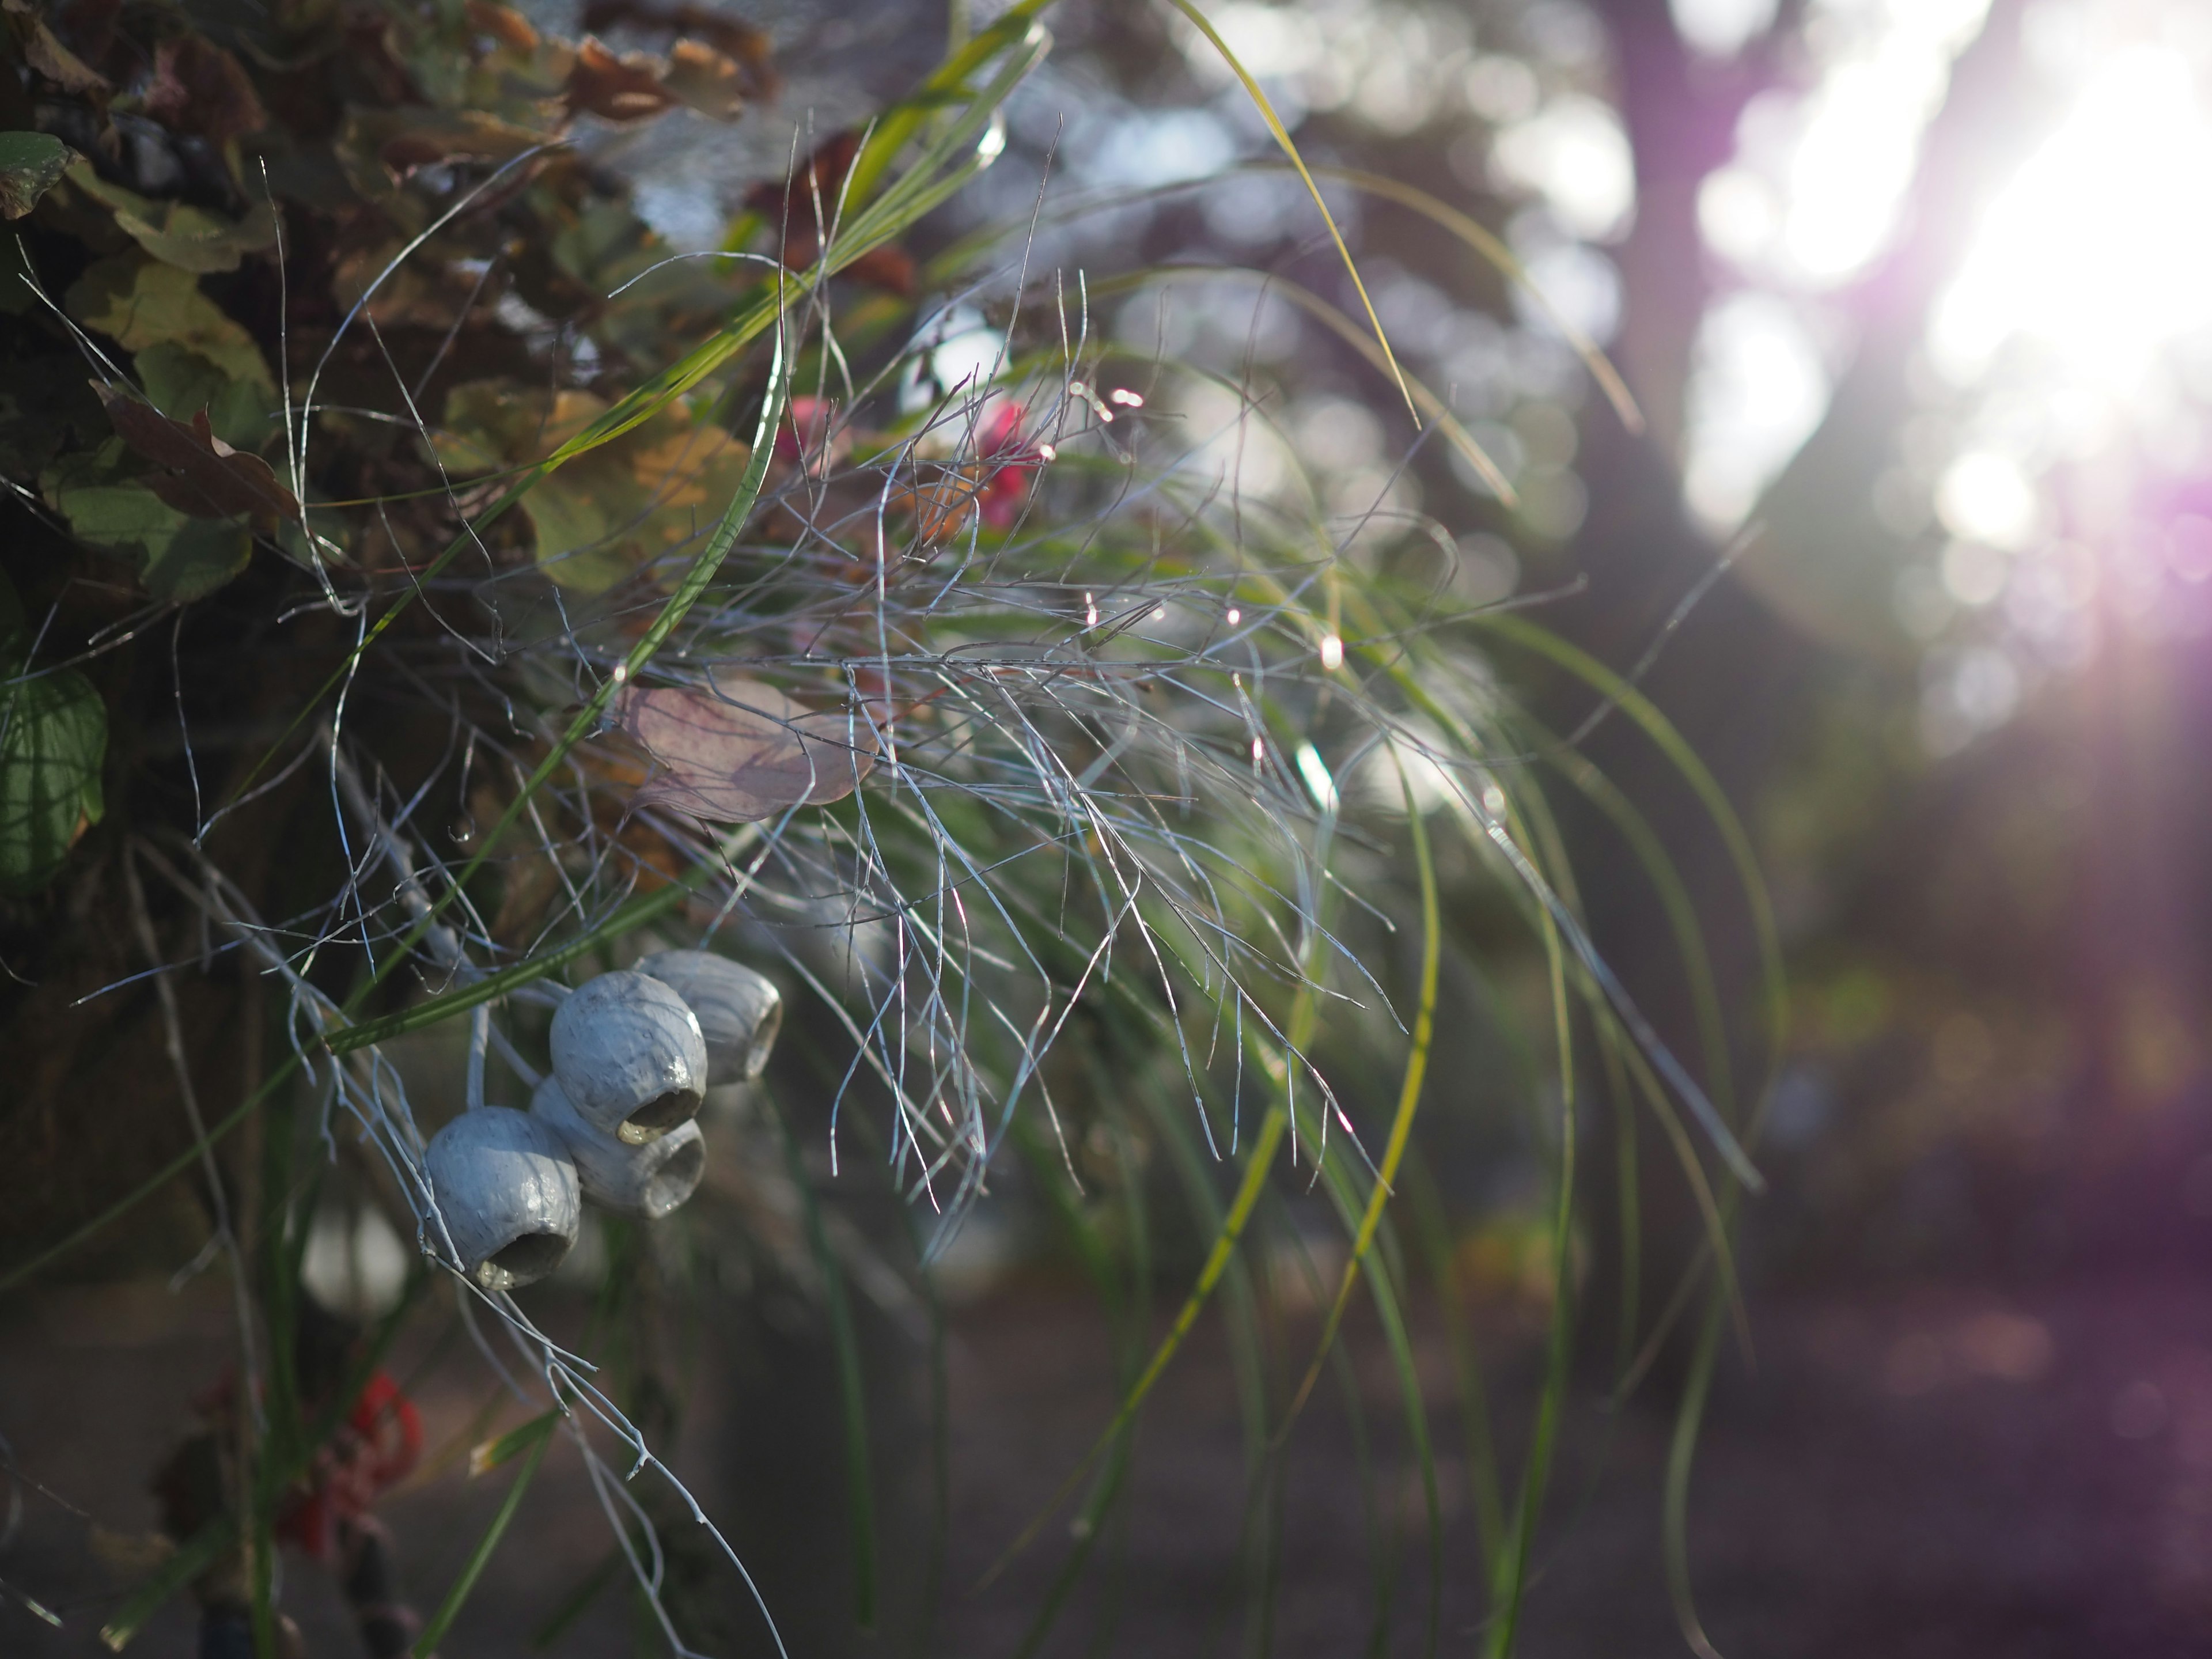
2100	251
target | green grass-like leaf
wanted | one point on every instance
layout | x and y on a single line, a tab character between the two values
536	1436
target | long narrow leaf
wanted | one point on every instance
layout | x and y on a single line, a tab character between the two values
440	1622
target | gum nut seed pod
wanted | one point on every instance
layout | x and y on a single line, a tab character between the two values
627	1050
509	1194
739	1011
646	1181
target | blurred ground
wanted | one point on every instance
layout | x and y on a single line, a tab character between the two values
1931	1471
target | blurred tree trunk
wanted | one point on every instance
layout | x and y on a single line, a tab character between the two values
1738	675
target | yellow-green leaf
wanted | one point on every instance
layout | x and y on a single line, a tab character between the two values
143	303
181	383
179	557
190	237
612	511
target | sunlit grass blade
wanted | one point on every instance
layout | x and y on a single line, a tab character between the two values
1511	1586
1493	249
897	125
1409	1094
1425	402
1694	771
640	912
1259	1536
916	194
1628	1197
1261	103
1681	1452
1376	1268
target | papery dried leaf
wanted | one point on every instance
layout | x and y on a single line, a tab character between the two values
423	291
709	80
626	88
803	208
44	51
503	24
207	478
199	88
734	38
941	506
744	752
379	147
889	268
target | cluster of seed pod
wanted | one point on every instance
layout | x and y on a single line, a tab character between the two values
633	1053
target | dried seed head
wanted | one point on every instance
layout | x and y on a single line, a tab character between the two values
645	1182
508	1194
739	1011
627	1050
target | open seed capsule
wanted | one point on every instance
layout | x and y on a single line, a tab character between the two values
739	1011
644	1182
509	1192
627	1050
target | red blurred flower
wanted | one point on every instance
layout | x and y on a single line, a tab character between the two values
374	1448
805	438
1009	459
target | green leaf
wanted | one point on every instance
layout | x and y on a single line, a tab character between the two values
53	735
203	556
612	511
143	303
181	382
31	163
119	516
539	1437
190	237
486	1458
180	558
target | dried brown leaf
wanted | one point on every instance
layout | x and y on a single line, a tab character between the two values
207	479
738	41
625	88
707	80
503	24
44	51
744	751
199	88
